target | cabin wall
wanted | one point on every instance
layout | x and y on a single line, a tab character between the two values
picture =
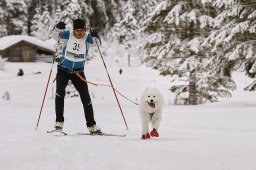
20	52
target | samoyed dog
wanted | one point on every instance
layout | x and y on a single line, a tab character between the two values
150	106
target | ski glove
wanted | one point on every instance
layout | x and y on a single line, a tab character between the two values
61	25
94	32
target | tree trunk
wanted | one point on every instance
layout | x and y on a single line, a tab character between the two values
192	99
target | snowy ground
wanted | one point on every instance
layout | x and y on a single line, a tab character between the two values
218	136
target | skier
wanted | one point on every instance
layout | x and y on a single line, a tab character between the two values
75	46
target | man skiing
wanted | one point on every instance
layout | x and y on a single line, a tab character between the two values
75	46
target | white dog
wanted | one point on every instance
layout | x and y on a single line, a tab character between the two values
151	104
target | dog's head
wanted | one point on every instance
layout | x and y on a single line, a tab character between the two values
152	98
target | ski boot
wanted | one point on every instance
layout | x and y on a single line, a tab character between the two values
94	130
58	129
58	125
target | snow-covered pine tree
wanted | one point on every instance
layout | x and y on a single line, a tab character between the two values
41	24
99	18
71	10
144	8
3	28
32	5
126	30
176	31
235	35
132	15
113	11
35	23
87	11
16	17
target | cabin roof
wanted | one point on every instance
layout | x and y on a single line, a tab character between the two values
8	41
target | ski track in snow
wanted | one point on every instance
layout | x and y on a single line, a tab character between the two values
212	136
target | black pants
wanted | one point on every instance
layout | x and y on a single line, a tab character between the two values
81	86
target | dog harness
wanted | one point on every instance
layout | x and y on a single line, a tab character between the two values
151	115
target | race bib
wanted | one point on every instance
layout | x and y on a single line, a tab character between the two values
74	56
75	49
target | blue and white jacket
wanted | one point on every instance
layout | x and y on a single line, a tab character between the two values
74	50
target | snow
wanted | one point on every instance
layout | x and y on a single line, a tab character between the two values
192	16
212	136
10	40
194	44
173	15
205	21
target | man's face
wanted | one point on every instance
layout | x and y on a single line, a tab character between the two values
79	33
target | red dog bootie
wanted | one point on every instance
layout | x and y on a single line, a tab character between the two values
144	137
154	133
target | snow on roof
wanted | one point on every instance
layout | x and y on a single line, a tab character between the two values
51	42
10	40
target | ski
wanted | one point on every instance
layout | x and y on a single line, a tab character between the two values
102	134
57	132
61	133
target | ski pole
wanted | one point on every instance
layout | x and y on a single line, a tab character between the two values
49	77
111	85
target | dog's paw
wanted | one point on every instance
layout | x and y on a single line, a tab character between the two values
144	137
154	133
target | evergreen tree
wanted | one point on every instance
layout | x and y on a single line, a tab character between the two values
177	30
71	11
41	24
16	17
32	11
57	16
113	11
35	23
144	8
99	18
235	35
3	28
87	11
126	30
133	14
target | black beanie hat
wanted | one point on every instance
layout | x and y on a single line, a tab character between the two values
79	24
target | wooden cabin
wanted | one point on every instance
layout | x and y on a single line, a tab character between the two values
23	48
